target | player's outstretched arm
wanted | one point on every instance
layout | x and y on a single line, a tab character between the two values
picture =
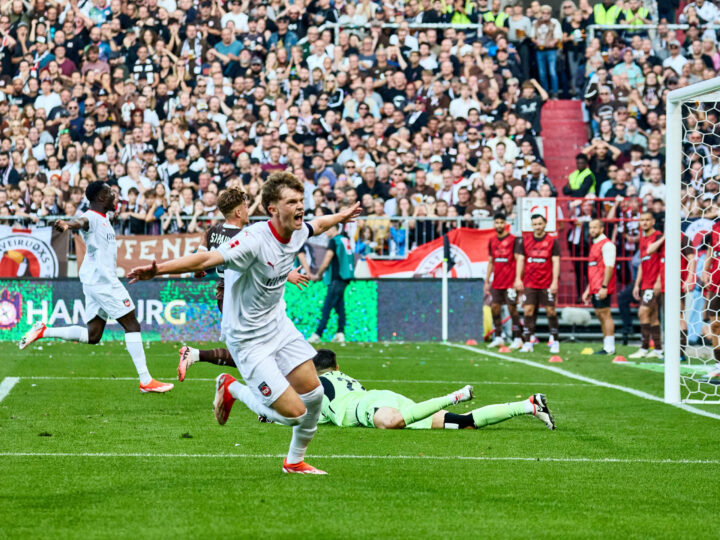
75	225
196	262
322	224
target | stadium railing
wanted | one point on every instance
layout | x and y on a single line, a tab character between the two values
642	28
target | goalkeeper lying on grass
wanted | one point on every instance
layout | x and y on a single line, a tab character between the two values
348	404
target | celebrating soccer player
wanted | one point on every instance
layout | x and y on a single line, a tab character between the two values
347	404
233	205
602	283
537	274
271	354
105	296
647	288
499	282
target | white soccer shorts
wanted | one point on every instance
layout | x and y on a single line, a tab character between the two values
107	301
264	363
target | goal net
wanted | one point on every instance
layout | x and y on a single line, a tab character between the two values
692	293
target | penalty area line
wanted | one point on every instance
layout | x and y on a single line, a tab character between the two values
6	385
374	457
589	380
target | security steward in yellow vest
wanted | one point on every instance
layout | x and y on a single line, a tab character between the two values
499	18
607	12
636	15
581	181
460	12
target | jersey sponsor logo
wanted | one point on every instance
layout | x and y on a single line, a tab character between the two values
264	389
537	260
592	263
235	244
274	282
645	258
501	259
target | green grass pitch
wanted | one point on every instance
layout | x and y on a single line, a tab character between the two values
161	467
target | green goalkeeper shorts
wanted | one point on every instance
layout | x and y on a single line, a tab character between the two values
364	409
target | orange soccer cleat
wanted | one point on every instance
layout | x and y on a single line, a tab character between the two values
223	402
156	387
185	362
300	468
36	332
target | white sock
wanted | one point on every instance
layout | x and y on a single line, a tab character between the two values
305	430
609	344
133	342
529	407
243	393
68	333
194	355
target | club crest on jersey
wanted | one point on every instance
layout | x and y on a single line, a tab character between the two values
264	389
126	302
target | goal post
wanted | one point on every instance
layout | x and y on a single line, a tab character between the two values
684	106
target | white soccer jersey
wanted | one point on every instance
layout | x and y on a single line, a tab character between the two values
261	260
99	267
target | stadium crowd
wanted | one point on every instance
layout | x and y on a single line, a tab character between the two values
171	102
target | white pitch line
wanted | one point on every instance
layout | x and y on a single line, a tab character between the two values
375	457
589	380
6	385
393	381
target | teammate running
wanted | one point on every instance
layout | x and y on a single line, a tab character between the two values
647	288
233	205
602	283
538	262
105	296
499	283
347	404
271	354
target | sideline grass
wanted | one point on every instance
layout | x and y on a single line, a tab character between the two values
149	497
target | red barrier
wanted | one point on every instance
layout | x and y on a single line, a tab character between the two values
620	217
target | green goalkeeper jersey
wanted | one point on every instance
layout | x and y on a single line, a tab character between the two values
340	391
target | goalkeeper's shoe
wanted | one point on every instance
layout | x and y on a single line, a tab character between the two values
640	353
516	344
496	342
186	360
300	468
156	387
314	338
36	332
714	375
542	411
655	354
223	402
464	394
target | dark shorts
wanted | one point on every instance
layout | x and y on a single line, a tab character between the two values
651	300
713	305
219	295
504	296
601	304
538	297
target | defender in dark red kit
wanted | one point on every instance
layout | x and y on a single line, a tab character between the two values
500	281
602	282
648	287
536	275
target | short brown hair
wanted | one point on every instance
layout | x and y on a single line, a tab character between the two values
230	199
274	186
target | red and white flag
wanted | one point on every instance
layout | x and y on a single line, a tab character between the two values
468	248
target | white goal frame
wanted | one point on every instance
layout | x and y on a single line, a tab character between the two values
703	91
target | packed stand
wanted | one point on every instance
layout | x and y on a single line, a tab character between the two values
171	102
